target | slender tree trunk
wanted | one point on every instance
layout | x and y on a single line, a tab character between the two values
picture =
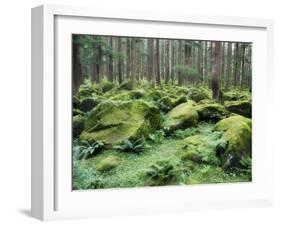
229	65
173	62
133	59
167	61
158	75
150	58
237	65
180	76
110	59
243	65
128	58
76	65
216	70
99	60
120	61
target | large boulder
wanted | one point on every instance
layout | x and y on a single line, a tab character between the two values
113	122
78	125
88	103
197	94
237	134
202	149
211	111
181	117
241	107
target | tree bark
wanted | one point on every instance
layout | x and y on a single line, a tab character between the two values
229	65
216	70
76	65
167	61
110	59
150	59
120	61
158	75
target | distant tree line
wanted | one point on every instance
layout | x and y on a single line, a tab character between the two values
220	65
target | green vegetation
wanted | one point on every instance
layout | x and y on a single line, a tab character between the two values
151	112
208	144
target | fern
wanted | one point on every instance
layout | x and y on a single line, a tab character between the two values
133	147
181	134
160	173
157	137
87	149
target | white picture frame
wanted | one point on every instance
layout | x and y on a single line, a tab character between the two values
52	197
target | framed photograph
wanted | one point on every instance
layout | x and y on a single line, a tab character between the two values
138	112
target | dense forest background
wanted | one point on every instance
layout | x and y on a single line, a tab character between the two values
219	65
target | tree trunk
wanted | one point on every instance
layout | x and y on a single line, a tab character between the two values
158	75
237	64
216	69
167	61
133	59
128	58
180	76
110	59
150	59
243	65
76	65
120	61
229	65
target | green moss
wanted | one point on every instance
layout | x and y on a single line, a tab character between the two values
166	103
211	111
200	93
181	99
106	85
237	133
128	85
242	107
113	122
201	148
108	163
181	117
236	94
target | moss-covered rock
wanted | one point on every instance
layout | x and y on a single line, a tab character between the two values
237	132
181	117
75	102
235	94
155	95
211	111
241	107
197	94
88	103
181	99
78	125
106	85
127	85
113	122
108	163
166	103
199	148
137	94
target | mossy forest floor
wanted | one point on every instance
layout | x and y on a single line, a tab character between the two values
161	160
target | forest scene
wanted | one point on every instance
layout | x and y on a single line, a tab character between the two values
154	112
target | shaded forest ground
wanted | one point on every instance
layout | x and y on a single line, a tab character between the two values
140	134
